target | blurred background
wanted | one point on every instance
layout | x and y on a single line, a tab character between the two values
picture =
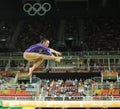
87	32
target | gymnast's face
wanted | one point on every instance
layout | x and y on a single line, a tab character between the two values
46	43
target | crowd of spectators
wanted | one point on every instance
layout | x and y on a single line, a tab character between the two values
74	89
7	29
99	33
102	33
94	33
61	90
33	31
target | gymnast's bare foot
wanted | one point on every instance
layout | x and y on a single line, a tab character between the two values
30	72
58	59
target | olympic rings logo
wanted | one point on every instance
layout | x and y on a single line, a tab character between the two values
37	8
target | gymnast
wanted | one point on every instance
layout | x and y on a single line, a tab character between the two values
39	52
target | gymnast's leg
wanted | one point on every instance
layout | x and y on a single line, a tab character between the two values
38	59
35	56
36	64
47	57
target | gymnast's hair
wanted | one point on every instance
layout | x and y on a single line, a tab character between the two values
44	40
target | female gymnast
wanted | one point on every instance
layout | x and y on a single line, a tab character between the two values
39	52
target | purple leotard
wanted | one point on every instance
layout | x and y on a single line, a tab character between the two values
39	48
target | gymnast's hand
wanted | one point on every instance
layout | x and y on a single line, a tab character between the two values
58	53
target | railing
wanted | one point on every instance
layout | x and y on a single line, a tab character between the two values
69	68
64	98
79	53
108	86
